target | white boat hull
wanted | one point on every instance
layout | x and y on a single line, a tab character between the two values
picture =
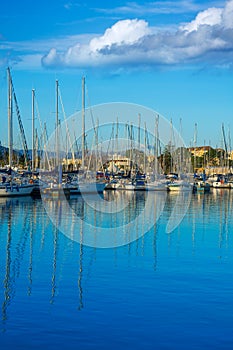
179	187
156	186
16	190
219	184
121	185
91	187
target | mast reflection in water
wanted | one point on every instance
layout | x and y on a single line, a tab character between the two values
164	287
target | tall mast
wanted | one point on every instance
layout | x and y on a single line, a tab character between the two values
145	145
33	129
117	132
171	147
10	119
156	153
139	129
195	145
36	148
97	145
57	126
139	140
12	96
225	145
131	145
180	165
229	145
83	122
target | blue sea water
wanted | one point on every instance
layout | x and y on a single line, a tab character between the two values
168	289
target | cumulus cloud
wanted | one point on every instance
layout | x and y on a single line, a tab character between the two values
131	42
125	32
210	17
227	15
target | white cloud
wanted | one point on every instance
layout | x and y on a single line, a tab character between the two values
125	32
211	17
208	38
122	34
227	15
52	58
28	54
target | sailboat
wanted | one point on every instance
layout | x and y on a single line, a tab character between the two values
53	186
13	185
222	182
86	181
180	181
159	183
179	186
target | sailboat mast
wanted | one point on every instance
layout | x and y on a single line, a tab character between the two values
57	126
139	140
171	148
36	149
180	167
156	146
229	145
33	129
10	119
97	145
145	145
117	133
83	121
195	145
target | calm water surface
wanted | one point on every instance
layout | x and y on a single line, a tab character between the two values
161	291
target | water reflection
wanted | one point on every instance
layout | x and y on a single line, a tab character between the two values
14	243
35	257
80	275
8	279
133	215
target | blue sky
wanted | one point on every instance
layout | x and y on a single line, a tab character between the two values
174	57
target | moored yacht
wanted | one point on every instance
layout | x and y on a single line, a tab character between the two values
180	185
10	187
